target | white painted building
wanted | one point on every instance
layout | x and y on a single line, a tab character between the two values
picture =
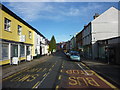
105	26
40	45
73	43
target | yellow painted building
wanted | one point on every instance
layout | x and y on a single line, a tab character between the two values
16	38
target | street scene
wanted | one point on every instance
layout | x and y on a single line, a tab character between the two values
59	44
57	72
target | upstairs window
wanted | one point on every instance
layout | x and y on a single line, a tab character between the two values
19	29
7	24
30	34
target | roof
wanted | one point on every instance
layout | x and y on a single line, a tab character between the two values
18	18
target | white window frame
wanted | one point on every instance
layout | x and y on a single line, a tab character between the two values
19	30
7	23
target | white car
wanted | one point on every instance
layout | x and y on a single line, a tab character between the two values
75	56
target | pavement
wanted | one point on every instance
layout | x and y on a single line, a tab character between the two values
108	71
54	72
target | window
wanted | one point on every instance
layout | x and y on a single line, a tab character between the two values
19	29
14	50
22	50
28	50
0	51
7	24
5	50
30	34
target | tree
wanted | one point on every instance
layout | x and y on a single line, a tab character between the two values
52	44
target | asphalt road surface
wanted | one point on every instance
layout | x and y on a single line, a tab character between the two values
58	72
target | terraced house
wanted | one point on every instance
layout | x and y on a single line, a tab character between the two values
17	38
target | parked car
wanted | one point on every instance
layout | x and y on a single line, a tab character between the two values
75	56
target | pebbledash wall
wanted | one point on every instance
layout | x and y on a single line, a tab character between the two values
18	40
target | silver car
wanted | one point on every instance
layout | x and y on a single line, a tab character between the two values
75	56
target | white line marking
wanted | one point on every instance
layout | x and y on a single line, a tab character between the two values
42	80
44	77
83	69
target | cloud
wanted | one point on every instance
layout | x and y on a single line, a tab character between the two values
31	11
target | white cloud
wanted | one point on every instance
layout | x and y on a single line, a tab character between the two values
35	10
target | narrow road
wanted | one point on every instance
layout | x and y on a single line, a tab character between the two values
57	72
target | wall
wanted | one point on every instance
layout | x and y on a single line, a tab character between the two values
13	34
104	27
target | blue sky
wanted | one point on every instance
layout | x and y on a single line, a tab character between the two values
60	19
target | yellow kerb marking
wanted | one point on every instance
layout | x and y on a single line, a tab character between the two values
59	77
44	74
87	67
36	84
57	87
112	86
83	64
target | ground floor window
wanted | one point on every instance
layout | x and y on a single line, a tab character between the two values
22	50
0	52
5	52
14	51
102	52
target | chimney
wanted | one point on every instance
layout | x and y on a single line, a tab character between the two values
96	15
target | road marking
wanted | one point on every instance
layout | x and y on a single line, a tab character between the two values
41	81
17	78
62	66
59	77
52	65
25	77
60	70
83	69
50	69
44	74
83	64
112	86
57	87
39	70
14	74
36	84
44	69
87	67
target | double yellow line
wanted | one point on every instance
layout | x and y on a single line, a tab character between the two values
109	84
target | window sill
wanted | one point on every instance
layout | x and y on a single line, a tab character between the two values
8	31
